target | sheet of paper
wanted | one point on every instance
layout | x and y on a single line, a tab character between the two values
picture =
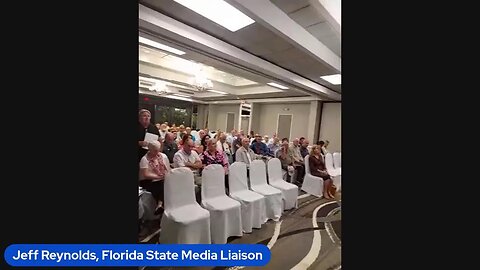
150	137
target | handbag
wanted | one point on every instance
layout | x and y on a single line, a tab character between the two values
332	190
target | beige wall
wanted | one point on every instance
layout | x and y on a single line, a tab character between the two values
201	115
331	126
217	116
268	117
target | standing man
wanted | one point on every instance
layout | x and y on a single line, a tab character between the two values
144	127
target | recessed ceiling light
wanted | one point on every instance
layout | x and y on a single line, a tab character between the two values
218	92
333	79
277	85
157	45
220	12
182	95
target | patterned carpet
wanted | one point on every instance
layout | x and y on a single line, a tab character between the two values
302	241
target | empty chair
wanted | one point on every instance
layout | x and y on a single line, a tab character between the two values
275	179
337	160
329	165
225	212
312	184
337	163
184	221
336	174
253	204
273	196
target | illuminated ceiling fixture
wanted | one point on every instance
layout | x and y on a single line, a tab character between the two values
219	12
277	85
218	92
160	46
157	86
160	88
200	82
333	79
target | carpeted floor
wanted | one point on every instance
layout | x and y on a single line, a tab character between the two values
295	246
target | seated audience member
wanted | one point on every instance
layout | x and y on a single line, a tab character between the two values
224	148
187	157
284	140
325	147
208	132
317	168
181	132
259	147
213	156
271	140
184	139
203	144
188	130
298	159
304	148
265	139
170	147
245	154
251	136
237	144
157	125
288	162
153	168
231	137
163	131
201	134
323	150
175	135
274	146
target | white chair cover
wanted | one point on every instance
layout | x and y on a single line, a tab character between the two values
273	196
337	160
312	184
225	212
289	191
253	204
337	163
337	181
329	165
184	221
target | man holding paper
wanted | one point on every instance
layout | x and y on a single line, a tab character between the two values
147	132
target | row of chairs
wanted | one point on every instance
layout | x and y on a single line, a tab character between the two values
249	205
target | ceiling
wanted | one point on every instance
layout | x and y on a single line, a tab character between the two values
178	72
306	15
258	39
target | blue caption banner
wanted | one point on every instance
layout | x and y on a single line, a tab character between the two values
51	255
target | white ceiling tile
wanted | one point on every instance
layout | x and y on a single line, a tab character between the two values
306	16
290	5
